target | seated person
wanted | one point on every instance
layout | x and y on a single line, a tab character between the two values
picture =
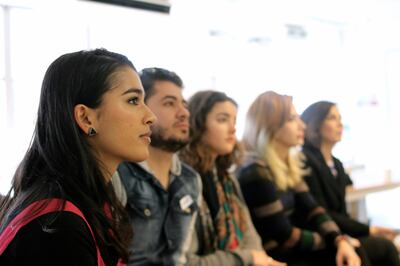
328	182
224	232
293	227
161	194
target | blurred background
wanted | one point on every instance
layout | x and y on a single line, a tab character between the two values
345	51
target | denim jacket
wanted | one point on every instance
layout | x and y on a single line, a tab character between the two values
162	220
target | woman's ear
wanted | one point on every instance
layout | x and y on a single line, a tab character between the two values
85	118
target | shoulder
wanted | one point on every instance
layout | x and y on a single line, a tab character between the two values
135	179
337	162
63	225
191	177
253	171
127	170
63	236
188	171
311	154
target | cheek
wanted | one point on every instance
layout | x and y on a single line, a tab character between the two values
116	121
212	138
289	136
118	127
217	141
327	132
286	134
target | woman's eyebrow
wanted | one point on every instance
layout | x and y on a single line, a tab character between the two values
133	90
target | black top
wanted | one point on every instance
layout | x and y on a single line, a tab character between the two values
67	241
329	190
276	214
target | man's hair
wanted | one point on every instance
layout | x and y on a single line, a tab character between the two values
149	76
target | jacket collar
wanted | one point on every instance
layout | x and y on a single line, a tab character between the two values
176	166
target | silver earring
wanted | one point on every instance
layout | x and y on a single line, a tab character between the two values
92	132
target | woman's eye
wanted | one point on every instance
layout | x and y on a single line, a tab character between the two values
134	101
222	120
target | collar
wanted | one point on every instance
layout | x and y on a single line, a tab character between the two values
176	166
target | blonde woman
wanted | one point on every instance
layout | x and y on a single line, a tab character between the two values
292	226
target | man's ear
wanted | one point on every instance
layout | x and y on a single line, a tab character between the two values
85	118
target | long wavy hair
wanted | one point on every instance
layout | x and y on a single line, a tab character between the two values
266	115
60	163
196	153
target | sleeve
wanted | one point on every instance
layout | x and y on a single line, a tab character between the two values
251	239
241	256
315	188
346	224
349	225
66	242
315	215
219	257
268	213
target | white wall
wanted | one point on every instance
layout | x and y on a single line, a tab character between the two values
350	55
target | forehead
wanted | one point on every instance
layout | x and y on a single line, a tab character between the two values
333	111
166	88
292	110
125	77
224	107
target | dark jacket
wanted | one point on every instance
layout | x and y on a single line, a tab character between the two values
329	190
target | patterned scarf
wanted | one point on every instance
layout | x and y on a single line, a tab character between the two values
226	221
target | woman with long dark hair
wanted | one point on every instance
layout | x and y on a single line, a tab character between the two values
62	209
328	182
224	232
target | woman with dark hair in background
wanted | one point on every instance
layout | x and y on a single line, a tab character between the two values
224	232
328	182
91	117
293	227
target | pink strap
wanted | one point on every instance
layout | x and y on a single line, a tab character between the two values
51	205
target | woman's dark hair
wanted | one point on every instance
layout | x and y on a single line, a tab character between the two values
314	116
60	162
196	153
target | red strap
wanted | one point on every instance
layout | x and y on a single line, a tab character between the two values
50	205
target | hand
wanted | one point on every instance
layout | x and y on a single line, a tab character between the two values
385	232
260	258
354	242
396	242
346	255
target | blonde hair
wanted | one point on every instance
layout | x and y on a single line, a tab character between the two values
266	115
284	175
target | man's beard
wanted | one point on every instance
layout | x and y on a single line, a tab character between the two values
170	144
